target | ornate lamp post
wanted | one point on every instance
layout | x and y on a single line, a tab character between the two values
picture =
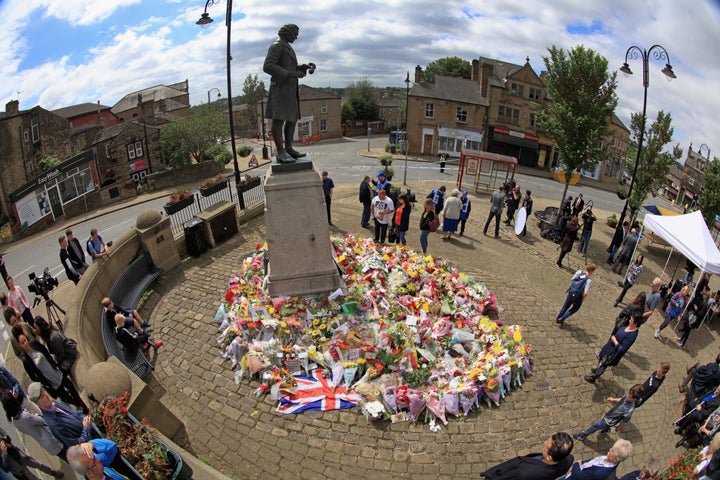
204	20
407	144
634	52
211	90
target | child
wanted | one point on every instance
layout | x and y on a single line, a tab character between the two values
619	414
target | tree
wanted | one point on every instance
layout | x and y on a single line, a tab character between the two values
709	202
48	162
448	66
362	97
582	100
654	163
253	92
189	139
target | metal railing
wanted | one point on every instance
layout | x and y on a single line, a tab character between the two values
248	199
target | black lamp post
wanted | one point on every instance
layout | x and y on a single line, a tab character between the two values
204	20
407	143
262	125
658	53
211	90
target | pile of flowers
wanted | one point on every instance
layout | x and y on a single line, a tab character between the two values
683	467
410	334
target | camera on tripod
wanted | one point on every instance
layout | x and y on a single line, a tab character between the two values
42	285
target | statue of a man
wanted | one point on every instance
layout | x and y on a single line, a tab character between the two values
283	99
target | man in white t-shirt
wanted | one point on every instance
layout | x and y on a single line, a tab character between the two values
381	209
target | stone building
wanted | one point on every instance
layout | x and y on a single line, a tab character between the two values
693	177
445	116
319	113
391	113
28	136
173	99
616	142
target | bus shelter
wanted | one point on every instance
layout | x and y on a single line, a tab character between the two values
485	171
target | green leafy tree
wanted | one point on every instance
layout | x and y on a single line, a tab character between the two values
710	197
188	140
582	100
654	163
253	92
449	67
362	97
48	162
347	113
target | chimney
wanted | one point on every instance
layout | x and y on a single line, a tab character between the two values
12	107
485	70
100	122
475	75
418	74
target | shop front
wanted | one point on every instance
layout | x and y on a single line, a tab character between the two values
45	197
523	146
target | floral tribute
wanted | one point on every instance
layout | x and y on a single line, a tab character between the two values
410	337
683	467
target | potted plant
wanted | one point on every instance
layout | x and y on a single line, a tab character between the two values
178	200
213	185
621	193
138	442
245	150
386	161
612	221
248	182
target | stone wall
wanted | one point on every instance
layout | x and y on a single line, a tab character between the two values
182	175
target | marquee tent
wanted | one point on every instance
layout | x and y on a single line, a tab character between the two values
690	236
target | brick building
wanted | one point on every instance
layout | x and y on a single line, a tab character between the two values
88	114
445	116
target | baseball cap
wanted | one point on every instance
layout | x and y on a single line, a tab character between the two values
464	192
34	391
381	173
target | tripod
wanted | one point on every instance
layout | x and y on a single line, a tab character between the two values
53	311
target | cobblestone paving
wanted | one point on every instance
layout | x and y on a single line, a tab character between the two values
242	436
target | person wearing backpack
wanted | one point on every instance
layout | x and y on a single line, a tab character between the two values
579	289
96	246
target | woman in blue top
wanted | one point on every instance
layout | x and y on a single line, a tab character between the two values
619	343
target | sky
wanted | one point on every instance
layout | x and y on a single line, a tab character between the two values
57	53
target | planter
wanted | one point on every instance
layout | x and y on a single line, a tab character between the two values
611	222
180	470
621	194
248	185
171	208
559	176
212	189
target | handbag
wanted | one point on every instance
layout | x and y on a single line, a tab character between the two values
392	234
434	224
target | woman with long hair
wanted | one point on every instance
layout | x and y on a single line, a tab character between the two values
401	219
616	347
427	216
571	231
41	367
634	271
62	348
675	306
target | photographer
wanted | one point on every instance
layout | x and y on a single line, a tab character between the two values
513	201
16	462
66	260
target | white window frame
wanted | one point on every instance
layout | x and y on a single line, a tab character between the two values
323	125
35	128
429	110
461	115
323	108
139	149
26	135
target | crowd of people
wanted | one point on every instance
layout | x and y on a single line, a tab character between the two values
52	410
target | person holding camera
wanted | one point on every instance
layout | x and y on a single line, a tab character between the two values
15	462
513	201
96	245
17	300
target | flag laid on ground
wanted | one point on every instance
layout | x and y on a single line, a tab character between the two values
315	393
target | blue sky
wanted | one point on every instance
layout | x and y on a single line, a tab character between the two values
62	52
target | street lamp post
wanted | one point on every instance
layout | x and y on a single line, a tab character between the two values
211	90
262	125
407	144
634	52
204	20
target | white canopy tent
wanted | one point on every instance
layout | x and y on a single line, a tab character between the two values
690	236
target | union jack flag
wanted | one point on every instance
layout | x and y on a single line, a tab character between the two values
315	393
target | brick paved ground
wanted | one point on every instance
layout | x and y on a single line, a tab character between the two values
243	437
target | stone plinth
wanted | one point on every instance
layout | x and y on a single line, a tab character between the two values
155	233
298	235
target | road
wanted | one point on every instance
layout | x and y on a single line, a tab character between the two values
340	158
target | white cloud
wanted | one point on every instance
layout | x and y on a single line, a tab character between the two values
351	39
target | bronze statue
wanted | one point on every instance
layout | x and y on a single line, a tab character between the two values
283	99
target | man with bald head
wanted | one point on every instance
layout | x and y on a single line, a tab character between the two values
283	105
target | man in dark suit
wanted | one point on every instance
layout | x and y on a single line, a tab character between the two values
77	254
554	461
66	424
70	270
617	240
578	205
283	104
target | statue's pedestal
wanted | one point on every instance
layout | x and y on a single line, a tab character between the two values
300	253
